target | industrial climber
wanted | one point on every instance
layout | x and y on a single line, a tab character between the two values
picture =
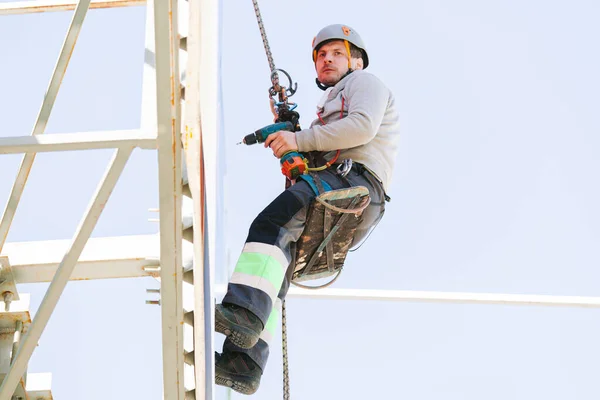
356	115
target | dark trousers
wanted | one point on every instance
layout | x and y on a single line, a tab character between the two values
261	279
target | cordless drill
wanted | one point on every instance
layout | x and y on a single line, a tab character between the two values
292	163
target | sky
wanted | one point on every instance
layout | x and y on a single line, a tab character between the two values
494	190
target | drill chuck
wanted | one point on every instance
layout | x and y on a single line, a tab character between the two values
250	139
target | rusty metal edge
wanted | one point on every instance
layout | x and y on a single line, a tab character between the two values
32	7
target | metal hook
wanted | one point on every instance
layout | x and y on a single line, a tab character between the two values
275	89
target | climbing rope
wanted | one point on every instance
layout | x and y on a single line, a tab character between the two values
284	107
286	372
263	34
275	88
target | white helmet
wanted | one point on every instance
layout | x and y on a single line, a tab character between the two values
340	32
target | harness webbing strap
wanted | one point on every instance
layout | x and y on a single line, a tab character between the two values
329	246
317	184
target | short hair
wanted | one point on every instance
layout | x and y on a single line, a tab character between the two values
355	52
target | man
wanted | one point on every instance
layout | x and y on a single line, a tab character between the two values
358	116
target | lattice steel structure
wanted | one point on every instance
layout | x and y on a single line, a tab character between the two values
175	68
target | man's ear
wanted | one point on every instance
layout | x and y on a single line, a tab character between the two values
357	63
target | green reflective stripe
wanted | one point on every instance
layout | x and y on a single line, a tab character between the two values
261	265
272	321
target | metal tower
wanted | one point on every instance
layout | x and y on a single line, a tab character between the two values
176	67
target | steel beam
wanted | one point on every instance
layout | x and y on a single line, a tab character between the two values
43	116
169	184
30	7
194	157
77	141
133	256
87	225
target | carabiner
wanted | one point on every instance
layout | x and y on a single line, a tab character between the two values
276	88
345	167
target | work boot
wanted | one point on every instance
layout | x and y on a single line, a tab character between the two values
241	326
237	371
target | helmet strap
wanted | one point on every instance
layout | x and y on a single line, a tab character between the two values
320	85
324	87
349	55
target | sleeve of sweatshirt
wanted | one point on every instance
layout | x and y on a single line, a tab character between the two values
367	99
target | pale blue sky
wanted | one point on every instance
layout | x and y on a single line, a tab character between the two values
495	190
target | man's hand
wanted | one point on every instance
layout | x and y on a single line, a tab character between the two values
281	142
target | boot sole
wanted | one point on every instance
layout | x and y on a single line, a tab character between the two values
241	387
241	336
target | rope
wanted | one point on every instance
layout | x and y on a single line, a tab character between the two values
335	278
263	34
286	372
275	80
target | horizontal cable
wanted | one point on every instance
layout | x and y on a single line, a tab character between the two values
443	297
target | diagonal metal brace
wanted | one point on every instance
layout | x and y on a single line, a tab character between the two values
63	273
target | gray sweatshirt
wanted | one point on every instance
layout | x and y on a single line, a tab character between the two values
368	133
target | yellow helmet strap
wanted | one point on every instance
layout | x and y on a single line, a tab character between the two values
349	55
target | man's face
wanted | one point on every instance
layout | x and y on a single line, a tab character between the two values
332	62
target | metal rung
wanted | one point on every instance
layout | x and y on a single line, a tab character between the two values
188	318
189	357
188	276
